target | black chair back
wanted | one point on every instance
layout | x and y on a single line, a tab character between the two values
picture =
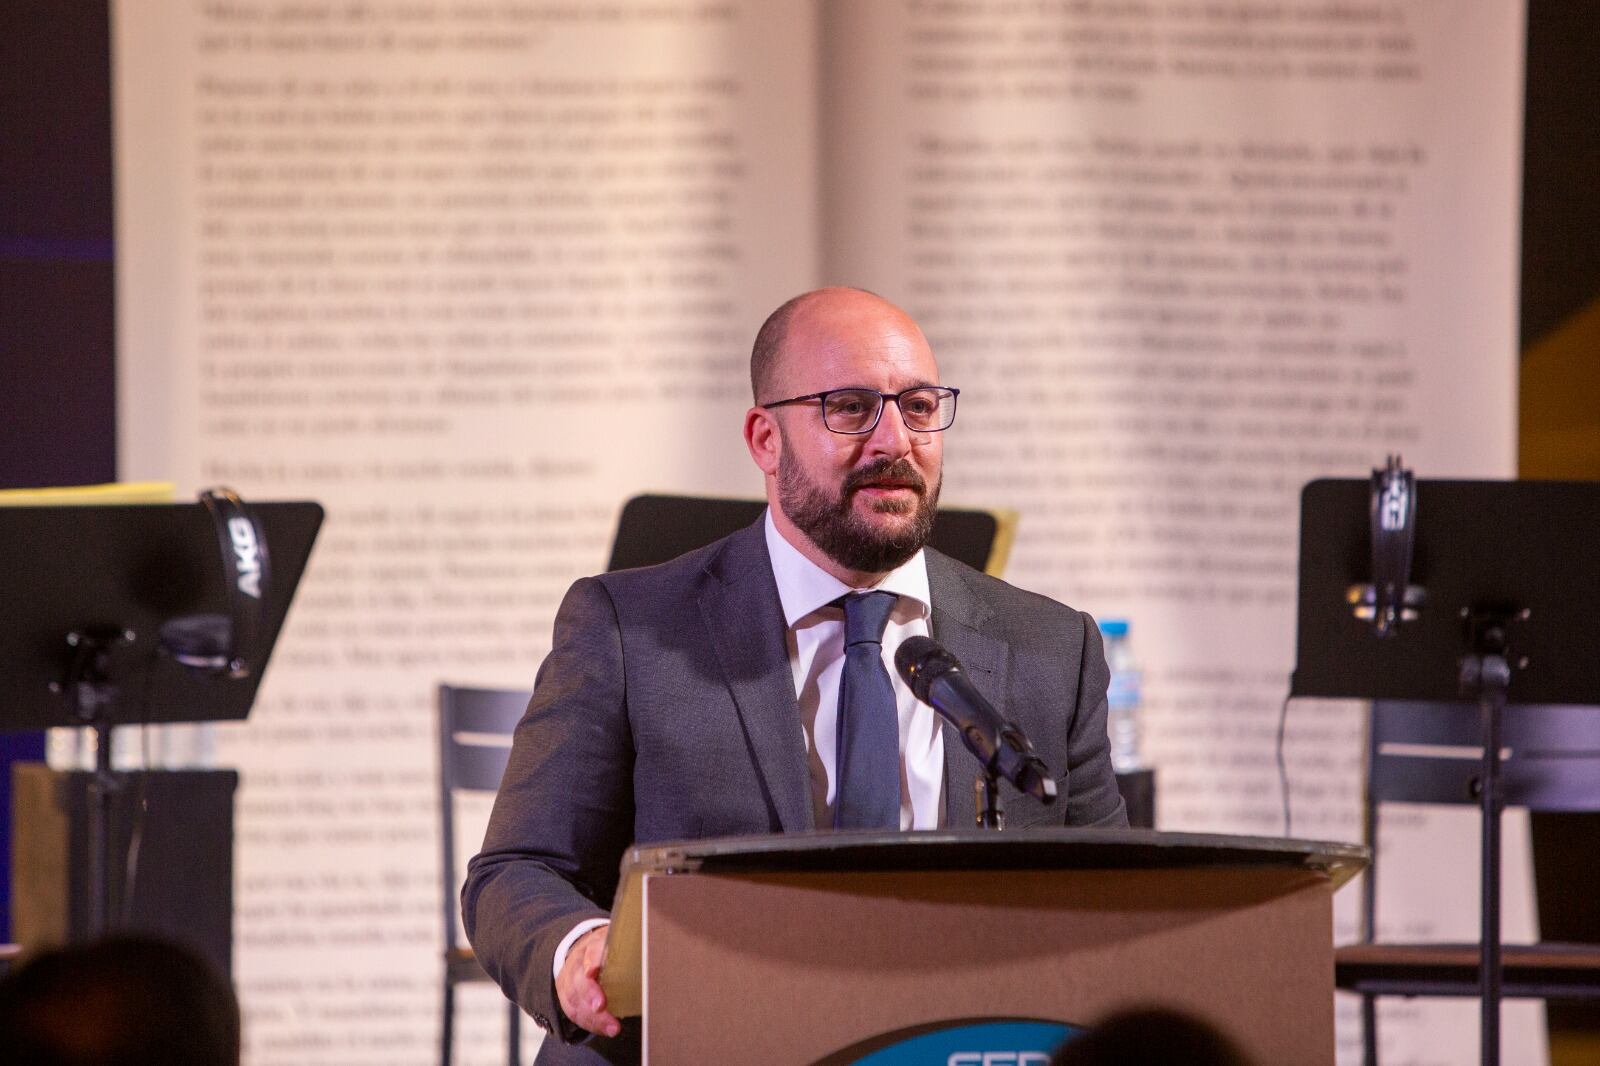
653	529
1431	752
475	727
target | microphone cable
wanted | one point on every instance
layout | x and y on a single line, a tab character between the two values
1283	765
141	806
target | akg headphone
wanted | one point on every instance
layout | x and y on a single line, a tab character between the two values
216	643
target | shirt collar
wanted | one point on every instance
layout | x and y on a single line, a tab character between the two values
803	586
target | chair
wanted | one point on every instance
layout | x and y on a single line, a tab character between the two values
653	529
475	727
1430	753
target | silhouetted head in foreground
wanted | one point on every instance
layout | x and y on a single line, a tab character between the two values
1150	1038
118	1002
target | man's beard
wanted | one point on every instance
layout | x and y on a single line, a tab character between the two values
833	525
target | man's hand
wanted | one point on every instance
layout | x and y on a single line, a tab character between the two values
578	985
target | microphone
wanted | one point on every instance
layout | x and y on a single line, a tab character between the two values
936	678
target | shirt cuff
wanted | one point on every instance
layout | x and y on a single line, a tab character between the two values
572	938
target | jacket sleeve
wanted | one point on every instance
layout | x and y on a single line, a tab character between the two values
1092	795
564	814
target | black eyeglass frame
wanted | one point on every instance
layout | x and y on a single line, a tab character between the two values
883	398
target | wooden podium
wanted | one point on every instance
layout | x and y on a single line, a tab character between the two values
805	948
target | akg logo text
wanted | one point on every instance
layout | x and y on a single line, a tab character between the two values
998	1058
247	556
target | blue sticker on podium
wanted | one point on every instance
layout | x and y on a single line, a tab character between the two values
960	1043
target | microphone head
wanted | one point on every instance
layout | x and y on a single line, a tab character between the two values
920	662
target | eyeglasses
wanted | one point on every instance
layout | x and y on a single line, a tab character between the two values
926	409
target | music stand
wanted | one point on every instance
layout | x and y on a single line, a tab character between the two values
87	591
1508	587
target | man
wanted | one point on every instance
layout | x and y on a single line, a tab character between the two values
743	688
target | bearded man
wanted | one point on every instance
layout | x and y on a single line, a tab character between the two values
748	687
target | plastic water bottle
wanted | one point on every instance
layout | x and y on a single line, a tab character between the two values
1122	697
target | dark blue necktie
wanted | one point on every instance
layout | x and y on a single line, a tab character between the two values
868	755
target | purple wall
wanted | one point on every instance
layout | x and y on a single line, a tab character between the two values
57	398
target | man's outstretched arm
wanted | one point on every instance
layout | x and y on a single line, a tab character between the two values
561	820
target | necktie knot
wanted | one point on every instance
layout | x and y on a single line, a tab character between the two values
866	614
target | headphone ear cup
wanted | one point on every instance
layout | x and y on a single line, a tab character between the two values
198	641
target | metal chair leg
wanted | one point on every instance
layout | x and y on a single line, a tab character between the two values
1369	1030
514	1029
446	1034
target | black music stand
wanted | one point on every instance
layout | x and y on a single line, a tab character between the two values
1506	585
87	590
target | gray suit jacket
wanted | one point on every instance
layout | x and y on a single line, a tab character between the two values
666	711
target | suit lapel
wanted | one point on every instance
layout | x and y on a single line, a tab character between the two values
959	620
744	619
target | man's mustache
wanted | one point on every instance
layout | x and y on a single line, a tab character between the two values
895	471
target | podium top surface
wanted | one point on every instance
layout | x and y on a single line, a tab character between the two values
962	850
978	849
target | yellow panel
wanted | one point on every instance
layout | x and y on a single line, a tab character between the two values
1560	401
1005	533
123	492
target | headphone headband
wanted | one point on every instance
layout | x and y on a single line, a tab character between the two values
244	567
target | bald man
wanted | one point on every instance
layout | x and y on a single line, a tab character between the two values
702	697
